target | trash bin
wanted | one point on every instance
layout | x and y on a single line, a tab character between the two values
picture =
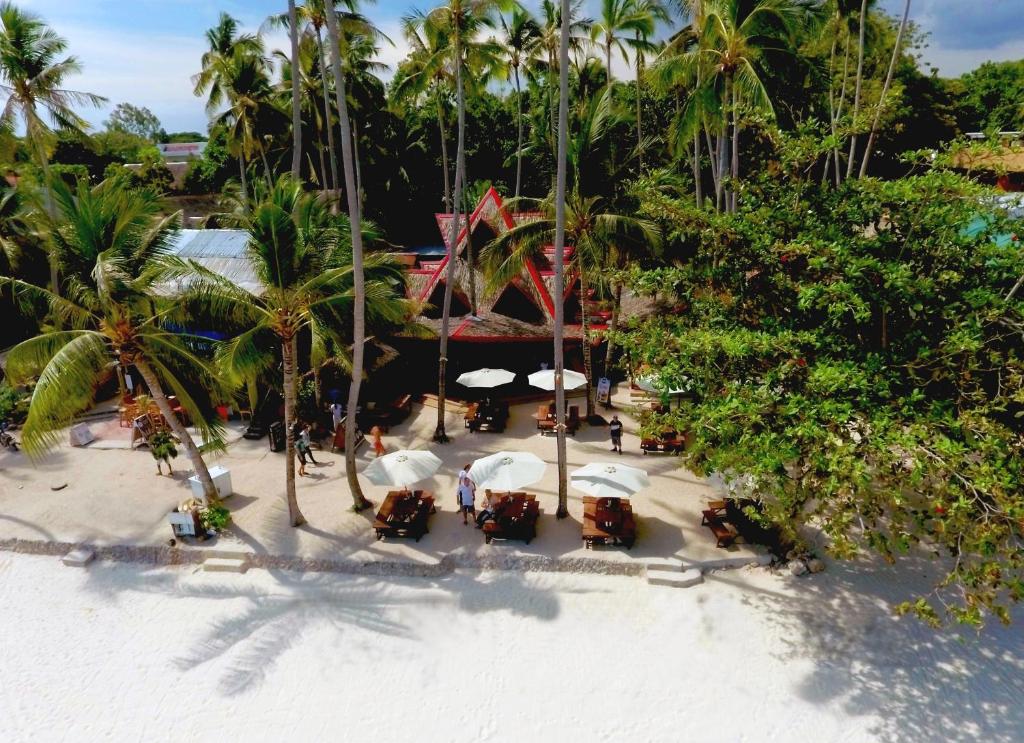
276	436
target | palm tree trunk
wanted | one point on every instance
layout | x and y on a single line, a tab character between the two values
444	156
51	211
720	195
156	391
332	152
293	33
295	517
608	61
609	352
559	333
245	181
713	156
885	91
266	167
839	109
696	169
440	436
735	174
588	357
359	168
359	501
469	253
519	140
639	129
856	92
323	161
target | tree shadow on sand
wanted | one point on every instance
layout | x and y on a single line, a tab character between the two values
274	618
921	684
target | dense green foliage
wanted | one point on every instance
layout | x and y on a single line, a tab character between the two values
855	362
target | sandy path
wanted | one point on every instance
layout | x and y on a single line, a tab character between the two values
125	653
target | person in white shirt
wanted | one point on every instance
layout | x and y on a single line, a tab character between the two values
336	413
467	495
489	510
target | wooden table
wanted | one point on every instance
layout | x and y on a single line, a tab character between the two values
515	517
608	521
404	513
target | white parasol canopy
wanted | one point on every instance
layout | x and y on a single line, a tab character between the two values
545	379
507	470
608	480
402	468
486	378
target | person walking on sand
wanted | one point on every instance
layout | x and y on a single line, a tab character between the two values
378	445
306	444
467	496
615	431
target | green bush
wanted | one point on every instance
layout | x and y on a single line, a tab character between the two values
13	404
70	173
215	516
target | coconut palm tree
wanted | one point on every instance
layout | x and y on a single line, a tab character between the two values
33	76
315	118
359	501
111	243
619	20
464	20
520	46
649	14
560	178
302	258
550	43
595	234
885	89
233	64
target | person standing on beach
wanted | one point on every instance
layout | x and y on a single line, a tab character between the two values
615	431
467	495
378	445
337	412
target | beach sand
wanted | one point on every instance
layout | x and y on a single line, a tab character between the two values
127	653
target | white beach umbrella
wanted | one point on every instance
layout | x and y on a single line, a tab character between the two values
402	468
507	470
486	378
545	379
651	383
608	480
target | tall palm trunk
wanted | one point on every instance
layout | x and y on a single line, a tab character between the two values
608	60
266	168
156	391
839	109
519	139
639	128
293	33
466	207
245	181
295	517
332	152
359	501
50	208
885	91
446	313
444	156
588	358
360	196
609	353
735	171
560	177
696	170
856	91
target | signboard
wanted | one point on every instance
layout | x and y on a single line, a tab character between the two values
604	391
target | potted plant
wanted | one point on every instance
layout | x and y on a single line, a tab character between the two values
161	446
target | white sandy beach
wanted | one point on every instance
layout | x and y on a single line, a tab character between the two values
126	653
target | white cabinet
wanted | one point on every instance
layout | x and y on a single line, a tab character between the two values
221	480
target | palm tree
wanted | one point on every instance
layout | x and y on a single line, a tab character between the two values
619	18
594	233
649	14
550	43
233	65
359	501
560	178
426	77
521	35
885	89
464	19
33	78
301	257
735	40
317	120
112	244
293	35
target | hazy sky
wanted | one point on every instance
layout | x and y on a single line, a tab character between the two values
145	51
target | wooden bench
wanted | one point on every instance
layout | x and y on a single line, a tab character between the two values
724	536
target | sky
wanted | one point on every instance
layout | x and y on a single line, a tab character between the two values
144	51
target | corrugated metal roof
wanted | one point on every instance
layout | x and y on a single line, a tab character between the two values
220	251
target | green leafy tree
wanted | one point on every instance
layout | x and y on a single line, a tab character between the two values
111	243
855	366
137	120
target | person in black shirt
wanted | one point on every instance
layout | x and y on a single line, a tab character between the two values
615	430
